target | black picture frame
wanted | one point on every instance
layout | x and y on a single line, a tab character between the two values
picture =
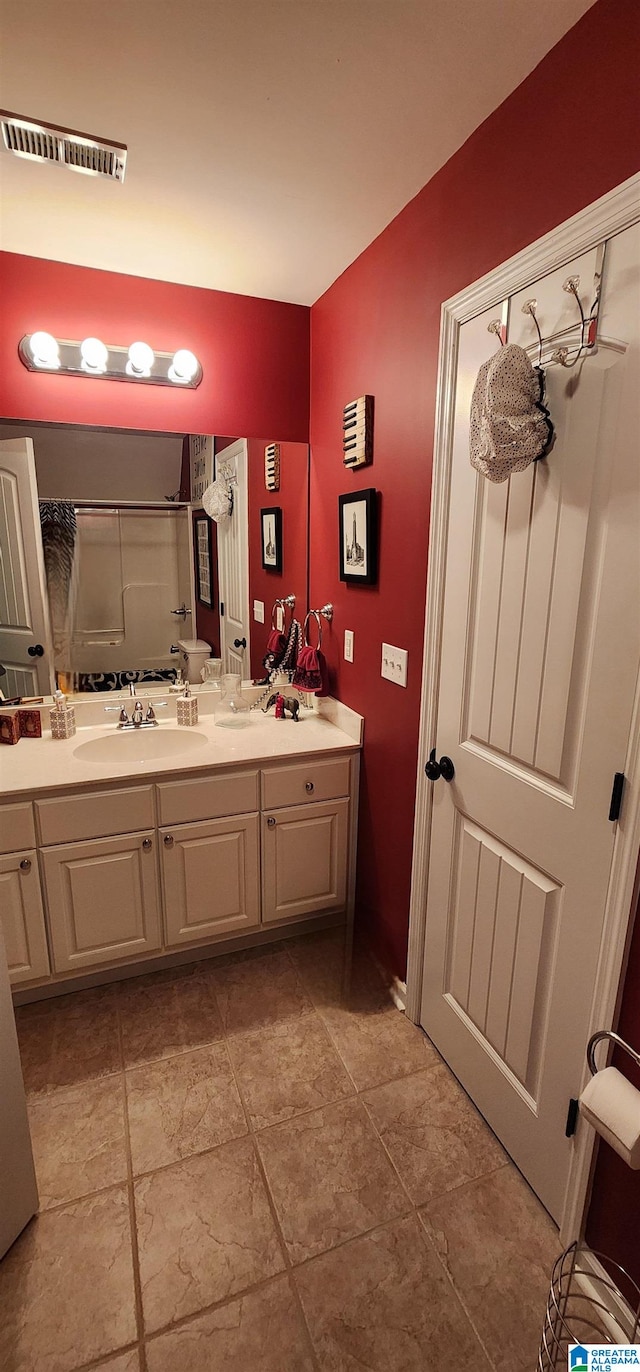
271	538
203	556
358	537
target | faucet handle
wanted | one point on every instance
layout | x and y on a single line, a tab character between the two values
117	710
151	712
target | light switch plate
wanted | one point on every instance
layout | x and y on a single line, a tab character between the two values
348	645
394	664
258	611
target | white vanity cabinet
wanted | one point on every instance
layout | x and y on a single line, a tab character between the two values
210	856
104	900
102	888
21	909
169	863
210	878
305	839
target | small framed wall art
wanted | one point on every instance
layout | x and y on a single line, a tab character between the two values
204	560
358	531
271	527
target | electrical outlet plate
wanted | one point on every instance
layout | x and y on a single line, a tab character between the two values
348	645
394	664
258	611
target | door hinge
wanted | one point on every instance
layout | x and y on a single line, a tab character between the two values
222	609
616	796
572	1118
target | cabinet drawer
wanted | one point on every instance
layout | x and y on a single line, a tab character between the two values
16	828
309	782
185	802
97	815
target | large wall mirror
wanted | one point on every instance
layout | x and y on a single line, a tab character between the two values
131	564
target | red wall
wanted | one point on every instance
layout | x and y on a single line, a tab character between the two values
254	353
567	135
292	498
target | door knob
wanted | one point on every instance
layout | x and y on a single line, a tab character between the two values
25	865
444	768
147	844
239	642
168	840
36	650
271	821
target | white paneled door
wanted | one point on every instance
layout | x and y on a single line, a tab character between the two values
233	561
25	640
538	669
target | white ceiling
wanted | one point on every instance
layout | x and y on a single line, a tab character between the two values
269	140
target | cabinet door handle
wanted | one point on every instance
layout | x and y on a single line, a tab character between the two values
271	822
168	840
308	786
25	865
147	844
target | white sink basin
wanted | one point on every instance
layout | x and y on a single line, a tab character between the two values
140	745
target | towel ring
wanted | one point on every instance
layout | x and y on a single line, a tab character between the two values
315	615
614	1038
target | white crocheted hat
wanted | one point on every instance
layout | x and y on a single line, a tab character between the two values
217	501
510	424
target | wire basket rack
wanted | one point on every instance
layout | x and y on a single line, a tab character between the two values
587	1305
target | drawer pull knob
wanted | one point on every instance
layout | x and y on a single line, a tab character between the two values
271	822
168	840
308	786
147	844
25	865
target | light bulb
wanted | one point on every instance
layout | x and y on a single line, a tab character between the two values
184	366
94	355
141	359
44	350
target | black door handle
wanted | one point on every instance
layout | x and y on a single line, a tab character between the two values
36	650
239	642
443	768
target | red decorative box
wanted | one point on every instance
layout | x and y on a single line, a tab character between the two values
30	722
9	726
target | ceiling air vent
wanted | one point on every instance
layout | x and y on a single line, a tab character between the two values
80	152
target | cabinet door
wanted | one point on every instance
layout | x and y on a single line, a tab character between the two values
23	918
211	878
304	859
103	900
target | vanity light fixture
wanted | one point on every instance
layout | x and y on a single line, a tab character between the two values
137	361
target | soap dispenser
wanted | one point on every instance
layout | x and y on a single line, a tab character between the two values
62	717
187	707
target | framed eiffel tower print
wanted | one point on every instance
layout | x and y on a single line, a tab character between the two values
358	521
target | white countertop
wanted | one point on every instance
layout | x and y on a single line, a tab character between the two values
45	763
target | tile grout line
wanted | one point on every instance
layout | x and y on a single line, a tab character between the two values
274	1215
135	1256
456	1294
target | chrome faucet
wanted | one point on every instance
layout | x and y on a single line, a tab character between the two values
138	719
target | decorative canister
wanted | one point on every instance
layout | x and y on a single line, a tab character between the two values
62	717
187	707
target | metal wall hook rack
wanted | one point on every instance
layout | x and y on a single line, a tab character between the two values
613	1038
585	329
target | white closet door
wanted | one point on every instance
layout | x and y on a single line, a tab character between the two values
25	638
540	652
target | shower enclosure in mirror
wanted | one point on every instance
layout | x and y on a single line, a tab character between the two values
117	536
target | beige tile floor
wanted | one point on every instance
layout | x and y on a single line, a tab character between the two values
240	1167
